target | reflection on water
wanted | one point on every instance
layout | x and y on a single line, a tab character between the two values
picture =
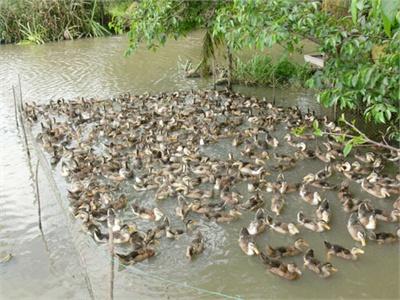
58	267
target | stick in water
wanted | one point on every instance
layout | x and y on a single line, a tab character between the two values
15	107
38	196
111	220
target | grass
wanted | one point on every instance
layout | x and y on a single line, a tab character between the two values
260	70
40	21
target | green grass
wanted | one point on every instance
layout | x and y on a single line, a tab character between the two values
40	21
260	70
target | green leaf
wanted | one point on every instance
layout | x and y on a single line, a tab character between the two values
387	25
347	148
390	9
354	10
318	132
315	124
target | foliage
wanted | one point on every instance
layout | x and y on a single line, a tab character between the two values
40	21
261	70
351	78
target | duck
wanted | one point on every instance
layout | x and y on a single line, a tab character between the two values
280	227
136	256
344	192
277	203
253	203
247	169
121	236
325	173
259	224
183	208
171	233
393	216
375	190
298	247
311	179
356	230
366	158
288	271
324	270
246	243
339	251
196	247
366	216
206	208
229	197
323	211
313	225
308	196
154	214
224	217
286	165
325	157
385	237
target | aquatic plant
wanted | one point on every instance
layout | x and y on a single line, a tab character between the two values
39	21
260	70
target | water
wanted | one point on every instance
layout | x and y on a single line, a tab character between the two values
66	260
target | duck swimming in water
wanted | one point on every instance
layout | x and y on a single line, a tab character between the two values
288	271
246	243
259	224
324	270
356	230
299	246
136	256
313	225
281	227
154	214
196	247
339	251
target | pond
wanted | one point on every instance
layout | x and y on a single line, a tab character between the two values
69	264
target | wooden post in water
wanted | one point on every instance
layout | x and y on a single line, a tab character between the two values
21	121
111	220
15	107
273	86
20	92
38	196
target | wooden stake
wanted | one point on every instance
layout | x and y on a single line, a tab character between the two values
111	248
38	196
20	92
15	107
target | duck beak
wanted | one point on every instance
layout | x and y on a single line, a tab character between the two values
327	227
334	269
360	251
363	243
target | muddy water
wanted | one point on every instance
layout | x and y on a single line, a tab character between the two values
65	263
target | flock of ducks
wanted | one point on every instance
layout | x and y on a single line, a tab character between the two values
155	144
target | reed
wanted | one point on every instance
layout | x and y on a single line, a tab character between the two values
260	70
40	21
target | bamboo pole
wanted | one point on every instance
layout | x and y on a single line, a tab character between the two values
111	249
20	92
38	197
15	107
